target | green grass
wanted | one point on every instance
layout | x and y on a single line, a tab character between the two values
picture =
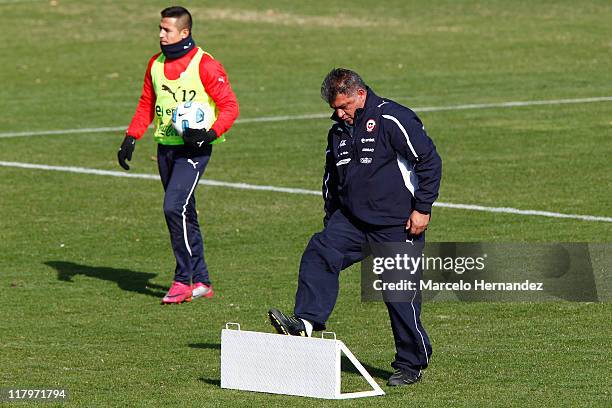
84	259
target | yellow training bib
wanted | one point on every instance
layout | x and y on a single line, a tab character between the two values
169	93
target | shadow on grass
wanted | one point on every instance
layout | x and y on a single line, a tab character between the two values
207	346
126	279
348	367
211	381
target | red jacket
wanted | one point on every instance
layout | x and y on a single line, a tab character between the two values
215	83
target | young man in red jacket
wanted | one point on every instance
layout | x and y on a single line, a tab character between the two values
182	72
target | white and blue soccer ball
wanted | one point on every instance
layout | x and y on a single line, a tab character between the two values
188	115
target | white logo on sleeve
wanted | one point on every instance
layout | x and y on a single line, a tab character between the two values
221	79
194	164
342	143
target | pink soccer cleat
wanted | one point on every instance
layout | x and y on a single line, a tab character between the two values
202	290
178	293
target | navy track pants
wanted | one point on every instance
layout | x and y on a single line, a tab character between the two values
180	169
337	247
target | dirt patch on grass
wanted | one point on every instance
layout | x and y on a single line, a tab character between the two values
277	17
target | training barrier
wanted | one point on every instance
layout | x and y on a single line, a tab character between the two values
291	365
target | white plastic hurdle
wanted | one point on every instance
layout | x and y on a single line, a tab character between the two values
291	365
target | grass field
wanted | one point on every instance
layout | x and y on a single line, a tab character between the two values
84	259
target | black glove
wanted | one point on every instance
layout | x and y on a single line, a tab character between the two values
126	150
199	137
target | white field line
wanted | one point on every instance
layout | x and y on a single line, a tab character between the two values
285	118
64	131
244	186
3	2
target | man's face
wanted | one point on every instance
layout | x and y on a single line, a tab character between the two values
169	32
346	105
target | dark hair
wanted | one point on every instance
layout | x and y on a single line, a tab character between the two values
182	15
340	81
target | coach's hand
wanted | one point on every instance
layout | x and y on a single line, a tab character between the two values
199	137
126	150
417	223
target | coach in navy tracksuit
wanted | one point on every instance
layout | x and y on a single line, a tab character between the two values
382	176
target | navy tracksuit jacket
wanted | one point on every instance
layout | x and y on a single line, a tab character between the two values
377	172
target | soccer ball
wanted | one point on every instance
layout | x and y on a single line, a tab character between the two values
188	115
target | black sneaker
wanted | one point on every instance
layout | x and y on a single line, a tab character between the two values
404	377
287	325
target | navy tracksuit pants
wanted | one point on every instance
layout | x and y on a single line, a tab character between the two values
337	247
180	169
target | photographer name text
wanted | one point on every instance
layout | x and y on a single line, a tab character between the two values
461	285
